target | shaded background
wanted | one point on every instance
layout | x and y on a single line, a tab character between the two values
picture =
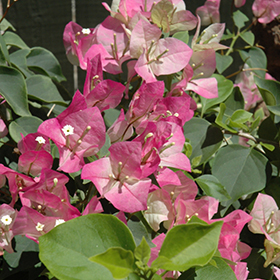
41	23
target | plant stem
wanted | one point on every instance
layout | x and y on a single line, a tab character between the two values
7	9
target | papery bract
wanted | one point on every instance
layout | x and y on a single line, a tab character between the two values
261	213
94	206
53	182
144	101
32	162
120	130
3	129
107	94
164	57
87	137
49	204
111	35
209	12
118	178
159	208
203	63
34	142
94	74
206	87
77	41
209	38
17	182
204	208
266	10
161	201
239	3
33	224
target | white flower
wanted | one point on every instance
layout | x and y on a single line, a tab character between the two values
40	140
39	227
6	220
86	31
59	221
68	130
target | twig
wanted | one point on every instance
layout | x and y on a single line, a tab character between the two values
250	137
7	9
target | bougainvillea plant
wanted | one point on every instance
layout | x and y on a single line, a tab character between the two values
165	165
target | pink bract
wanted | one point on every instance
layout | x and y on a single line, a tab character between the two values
209	12
3	129
266	10
118	178
86	137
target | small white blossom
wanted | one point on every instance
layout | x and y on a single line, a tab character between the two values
68	130
58	222
39	227
6	220
40	140
86	31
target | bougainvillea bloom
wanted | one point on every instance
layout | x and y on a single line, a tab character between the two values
266	10
78	132
118	178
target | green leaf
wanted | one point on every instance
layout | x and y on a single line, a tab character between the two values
239	19
143	251
118	260
18	60
219	120
228	35
45	63
270	91
110	116
248	37
156	277
23	244
182	36
139	230
42	88
223	62
241	116
212	187
255	58
268	146
5	24
65	249
234	102
240	170
225	88
188	245
104	150
13	89
211	272
204	138
4	54
12	39
24	125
